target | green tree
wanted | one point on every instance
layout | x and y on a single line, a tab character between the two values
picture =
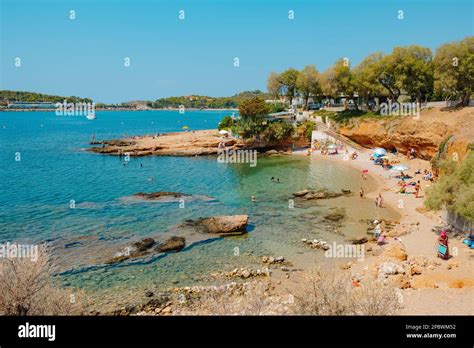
308	83
254	108
366	78
274	85
344	80
277	131
328	83
288	81
414	70
455	188
454	70
226	123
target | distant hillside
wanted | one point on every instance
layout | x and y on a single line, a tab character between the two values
10	96
197	101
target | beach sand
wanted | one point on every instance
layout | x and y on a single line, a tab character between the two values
444	290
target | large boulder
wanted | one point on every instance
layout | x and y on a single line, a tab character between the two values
221	224
172	244
395	251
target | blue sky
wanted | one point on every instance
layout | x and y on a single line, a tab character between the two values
169	56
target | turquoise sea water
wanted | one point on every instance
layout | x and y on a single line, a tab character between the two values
36	193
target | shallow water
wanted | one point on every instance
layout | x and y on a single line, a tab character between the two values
53	170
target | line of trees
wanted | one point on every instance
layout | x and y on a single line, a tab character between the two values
11	96
196	101
412	71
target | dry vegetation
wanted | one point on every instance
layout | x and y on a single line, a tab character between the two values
319	293
27	288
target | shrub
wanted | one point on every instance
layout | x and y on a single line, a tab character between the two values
277	131
276	107
455	188
332	293
226	123
26	288
306	129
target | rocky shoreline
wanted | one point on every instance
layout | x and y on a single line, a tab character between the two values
192	143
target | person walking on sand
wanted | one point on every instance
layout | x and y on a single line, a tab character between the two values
417	189
380	201
361	192
377	201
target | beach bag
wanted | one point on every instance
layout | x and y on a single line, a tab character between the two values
442	250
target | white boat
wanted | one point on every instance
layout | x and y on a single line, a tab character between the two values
91	117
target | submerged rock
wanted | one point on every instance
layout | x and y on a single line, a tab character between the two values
172	244
320	194
143	248
336	215
160	195
220	224
144	244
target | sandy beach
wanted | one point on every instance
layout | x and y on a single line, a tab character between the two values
447	288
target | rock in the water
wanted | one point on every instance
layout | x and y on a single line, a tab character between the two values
335	215
144	244
160	195
301	193
171	244
221	224
320	194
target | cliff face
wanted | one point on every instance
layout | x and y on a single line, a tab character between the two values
425	134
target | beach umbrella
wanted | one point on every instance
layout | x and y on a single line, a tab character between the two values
185	127
379	151
223	132
399	168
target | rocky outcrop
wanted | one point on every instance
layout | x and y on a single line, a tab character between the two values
319	194
221	224
395	251
195	143
424	133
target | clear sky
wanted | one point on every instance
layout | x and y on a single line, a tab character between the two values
169	56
